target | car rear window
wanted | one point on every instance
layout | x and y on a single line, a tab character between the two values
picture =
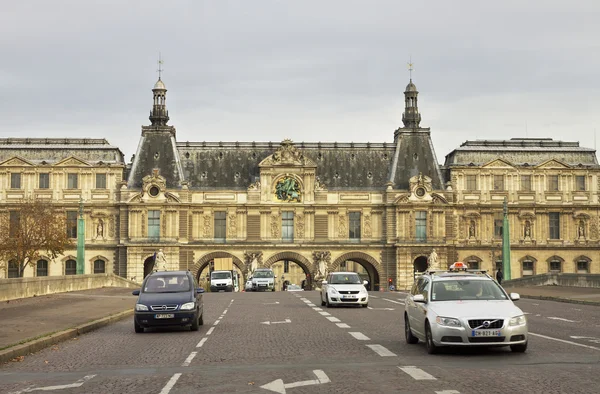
167	284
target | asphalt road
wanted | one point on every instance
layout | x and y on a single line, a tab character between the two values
290	342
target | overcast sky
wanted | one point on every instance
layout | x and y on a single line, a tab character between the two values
309	70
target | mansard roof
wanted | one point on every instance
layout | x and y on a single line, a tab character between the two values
53	150
521	152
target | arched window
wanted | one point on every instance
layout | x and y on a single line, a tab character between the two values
99	267
70	267
582	265
555	264
13	269
41	268
528	267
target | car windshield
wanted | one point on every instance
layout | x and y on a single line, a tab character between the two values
345	279
263	274
220	275
465	289
167	284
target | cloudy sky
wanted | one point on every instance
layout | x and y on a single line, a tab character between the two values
309	70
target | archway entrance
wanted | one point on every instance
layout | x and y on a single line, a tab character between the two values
419	265
148	266
288	272
218	261
204	274
364	269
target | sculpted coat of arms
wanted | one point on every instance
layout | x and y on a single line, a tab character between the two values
288	189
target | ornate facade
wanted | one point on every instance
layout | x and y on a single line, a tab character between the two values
323	206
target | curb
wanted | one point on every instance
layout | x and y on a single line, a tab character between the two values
558	299
38	344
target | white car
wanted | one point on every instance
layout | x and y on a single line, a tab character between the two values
248	285
344	288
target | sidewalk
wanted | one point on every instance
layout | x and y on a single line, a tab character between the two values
577	295
30	324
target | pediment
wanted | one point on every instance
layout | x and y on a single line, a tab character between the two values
16	162
287	155
498	163
553	163
72	161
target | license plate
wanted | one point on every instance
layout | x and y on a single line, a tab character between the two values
349	296
164	316
485	333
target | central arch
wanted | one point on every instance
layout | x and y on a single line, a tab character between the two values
368	262
207	258
419	266
297	258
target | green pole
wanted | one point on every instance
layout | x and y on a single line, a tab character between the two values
506	243
80	241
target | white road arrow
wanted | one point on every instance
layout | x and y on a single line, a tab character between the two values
279	387
78	383
381	309
276	322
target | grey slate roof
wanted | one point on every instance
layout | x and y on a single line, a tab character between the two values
520	151
52	150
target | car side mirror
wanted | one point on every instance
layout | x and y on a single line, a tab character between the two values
419	298
136	292
199	290
515	296
365	282
324	282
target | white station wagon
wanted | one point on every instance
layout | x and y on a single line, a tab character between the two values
344	288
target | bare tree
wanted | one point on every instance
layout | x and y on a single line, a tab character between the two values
31	229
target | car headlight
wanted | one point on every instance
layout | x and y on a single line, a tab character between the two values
518	321
447	321
333	290
188	306
141	307
363	291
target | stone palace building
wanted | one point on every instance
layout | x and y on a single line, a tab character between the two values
377	208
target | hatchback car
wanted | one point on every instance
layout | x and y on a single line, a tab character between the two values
169	298
463	309
344	288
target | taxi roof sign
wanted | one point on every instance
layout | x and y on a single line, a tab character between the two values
459	266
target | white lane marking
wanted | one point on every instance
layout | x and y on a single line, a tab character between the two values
170	384
317	309
225	311
381	309
526	313
303	299
216	322
78	383
210	330
577	309
564	341
395	302
201	342
382	351
333	319
561	319
447	392
325	313
374	297
188	360
590	339
360	336
536	304
342	325
417	373
311	304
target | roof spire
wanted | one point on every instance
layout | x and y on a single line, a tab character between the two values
159	116
410	68
160	63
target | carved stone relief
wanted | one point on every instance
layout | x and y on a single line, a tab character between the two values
368	232
207	227
232	230
299	226
252	260
111	227
321	262
342	228
275	225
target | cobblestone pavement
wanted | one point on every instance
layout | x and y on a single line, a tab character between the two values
290	342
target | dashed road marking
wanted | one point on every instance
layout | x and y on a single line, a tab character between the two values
395	302
325	313
360	336
417	373
216	322
333	319
311	304
342	325
202	342
170	384
564	341
317	309
225	311
188	360
210	330
447	392
382	351
561	319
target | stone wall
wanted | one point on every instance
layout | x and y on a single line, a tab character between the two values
11	289
557	279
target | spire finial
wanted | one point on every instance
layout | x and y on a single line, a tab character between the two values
160	63
410	67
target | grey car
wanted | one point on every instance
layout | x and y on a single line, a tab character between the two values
463	309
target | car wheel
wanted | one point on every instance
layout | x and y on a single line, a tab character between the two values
201	320
521	348
322	302
327	303
195	325
431	348
410	338
273	289
139	329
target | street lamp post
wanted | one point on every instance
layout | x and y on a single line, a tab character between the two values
80	240
506	243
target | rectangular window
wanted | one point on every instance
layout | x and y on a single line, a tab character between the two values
44	181
72	181
14	224
15	180
343	266
553	183
13	269
154	225
72	224
99	266
70	267
471	182
498	265
354	226
220	226
580	183
474	265
286	267
498	224
555	266
41	268
100	181
287	226
498	182
582	267
526	183
421	226
554	221
527	268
